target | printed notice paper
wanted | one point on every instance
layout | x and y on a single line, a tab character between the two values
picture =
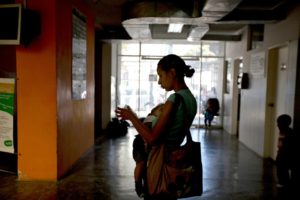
6	114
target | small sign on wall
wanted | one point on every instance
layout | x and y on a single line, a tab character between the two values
257	64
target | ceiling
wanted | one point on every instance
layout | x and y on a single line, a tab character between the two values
203	19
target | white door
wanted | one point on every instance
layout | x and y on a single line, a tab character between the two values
280	100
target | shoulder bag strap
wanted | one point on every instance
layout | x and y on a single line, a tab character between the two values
186	128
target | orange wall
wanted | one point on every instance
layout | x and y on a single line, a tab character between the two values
53	130
75	117
36	100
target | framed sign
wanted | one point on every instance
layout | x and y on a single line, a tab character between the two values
257	64
79	48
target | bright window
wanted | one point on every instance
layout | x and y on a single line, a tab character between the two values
137	82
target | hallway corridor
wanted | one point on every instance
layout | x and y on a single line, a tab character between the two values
230	172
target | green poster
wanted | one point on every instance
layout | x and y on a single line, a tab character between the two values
7	88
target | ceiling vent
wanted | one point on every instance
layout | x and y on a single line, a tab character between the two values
151	20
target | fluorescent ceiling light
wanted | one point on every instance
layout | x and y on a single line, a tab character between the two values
175	28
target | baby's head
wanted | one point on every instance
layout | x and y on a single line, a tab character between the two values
156	111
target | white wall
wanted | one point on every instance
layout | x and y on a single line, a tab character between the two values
253	100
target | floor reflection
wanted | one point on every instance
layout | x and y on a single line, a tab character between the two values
230	171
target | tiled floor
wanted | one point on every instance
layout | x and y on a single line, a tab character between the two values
230	172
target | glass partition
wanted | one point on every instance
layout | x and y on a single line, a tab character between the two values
129	80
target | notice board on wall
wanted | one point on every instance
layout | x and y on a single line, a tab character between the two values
257	64
79	54
7	98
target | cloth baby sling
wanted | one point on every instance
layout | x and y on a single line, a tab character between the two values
175	173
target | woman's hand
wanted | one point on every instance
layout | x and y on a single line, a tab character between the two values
125	113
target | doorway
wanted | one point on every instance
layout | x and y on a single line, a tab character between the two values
277	101
239	64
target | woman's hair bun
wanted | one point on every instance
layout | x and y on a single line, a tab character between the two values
189	72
